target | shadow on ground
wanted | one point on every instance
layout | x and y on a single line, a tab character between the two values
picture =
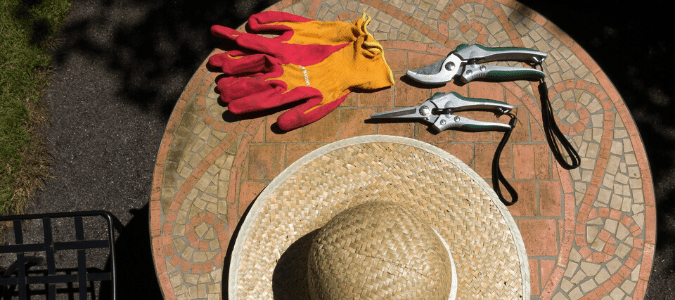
152	47
135	269
121	66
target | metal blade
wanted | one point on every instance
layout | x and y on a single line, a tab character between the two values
416	113
396	114
441	71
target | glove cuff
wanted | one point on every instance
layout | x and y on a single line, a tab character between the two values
371	59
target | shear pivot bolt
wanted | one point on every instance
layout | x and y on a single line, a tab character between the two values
482	68
425	111
456	119
450	66
443	122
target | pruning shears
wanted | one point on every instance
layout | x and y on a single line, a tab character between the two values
465	64
440	109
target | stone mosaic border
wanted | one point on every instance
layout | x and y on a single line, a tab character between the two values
603	230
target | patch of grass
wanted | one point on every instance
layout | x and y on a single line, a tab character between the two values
27	30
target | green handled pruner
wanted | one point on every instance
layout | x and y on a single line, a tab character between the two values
439	112
465	63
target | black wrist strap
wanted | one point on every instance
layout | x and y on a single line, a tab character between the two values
556	139
497	175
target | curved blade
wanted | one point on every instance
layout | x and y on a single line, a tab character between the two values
441	71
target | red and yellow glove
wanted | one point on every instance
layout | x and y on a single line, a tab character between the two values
312	62
321	38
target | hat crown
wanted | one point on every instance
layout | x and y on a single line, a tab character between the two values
378	250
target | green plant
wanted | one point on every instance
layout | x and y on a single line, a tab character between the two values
27	30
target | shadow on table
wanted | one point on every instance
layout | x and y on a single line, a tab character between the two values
136	277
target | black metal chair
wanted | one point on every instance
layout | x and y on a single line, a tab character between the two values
19	275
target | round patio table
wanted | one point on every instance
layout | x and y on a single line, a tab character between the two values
589	232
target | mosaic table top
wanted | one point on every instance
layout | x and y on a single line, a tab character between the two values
589	232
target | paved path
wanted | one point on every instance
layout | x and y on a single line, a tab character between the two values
589	232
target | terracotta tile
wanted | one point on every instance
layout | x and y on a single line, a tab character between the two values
296	151
397	60
324	130
196	269
638	243
203	245
521	133
539	236
259	133
485	155
641	288
549	198
175	260
462	151
232	218
207	267
542	161
184	266
381	98
418	60
249	191
409	45
462	90
443	27
527	202
350	101
536	131
534	276
265	161
523	161
546	267
426	134
439	50
167	228
275	136
486	90
352	122
408	95
242	151
405	129
464	27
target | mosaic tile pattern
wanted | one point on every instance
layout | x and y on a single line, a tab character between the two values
589	232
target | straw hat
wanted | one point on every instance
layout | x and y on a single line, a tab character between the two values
378	217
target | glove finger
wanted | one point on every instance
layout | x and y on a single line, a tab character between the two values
233	88
245	64
245	40
272	98
307	113
260	23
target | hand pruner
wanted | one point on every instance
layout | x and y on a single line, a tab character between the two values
439	111
466	64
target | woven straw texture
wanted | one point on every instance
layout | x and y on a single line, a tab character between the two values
269	260
378	250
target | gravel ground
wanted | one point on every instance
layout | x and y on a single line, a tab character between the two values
121	66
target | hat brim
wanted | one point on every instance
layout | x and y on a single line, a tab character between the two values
486	245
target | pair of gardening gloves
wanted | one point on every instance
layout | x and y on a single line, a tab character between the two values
309	63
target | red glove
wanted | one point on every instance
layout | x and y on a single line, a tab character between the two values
278	71
320	39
